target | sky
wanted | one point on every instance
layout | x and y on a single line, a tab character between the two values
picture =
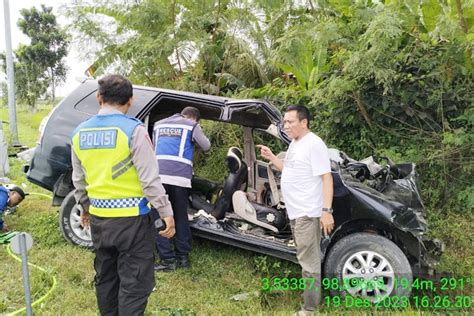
76	65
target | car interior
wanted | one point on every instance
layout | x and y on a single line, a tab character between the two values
248	200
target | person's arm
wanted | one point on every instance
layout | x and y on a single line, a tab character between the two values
268	155
80	183
327	220
321	165
328	189
143	158
200	139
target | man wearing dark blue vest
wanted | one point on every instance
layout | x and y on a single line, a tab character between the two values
174	139
116	179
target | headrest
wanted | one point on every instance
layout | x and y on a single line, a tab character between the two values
234	159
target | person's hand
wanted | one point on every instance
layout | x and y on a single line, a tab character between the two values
169	231
85	219
266	152
5	229
327	223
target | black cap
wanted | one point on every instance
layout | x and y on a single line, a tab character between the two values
19	191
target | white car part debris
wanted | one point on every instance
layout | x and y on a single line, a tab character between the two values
26	155
206	215
244	296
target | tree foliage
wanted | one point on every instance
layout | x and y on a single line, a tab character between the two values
389	77
40	64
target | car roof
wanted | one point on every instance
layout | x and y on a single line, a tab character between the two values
143	106
214	98
92	84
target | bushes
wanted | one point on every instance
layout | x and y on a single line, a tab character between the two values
212	165
392	88
379	76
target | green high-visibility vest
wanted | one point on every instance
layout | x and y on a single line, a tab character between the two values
102	144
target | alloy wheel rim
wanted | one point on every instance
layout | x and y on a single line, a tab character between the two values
76	226
369	275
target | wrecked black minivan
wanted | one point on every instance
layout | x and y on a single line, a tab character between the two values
380	227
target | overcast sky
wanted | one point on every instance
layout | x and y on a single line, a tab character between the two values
75	64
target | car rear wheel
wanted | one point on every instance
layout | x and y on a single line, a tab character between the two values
368	266
70	223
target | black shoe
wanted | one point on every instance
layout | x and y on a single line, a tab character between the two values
167	265
183	262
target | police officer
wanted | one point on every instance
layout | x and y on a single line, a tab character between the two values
116	179
174	139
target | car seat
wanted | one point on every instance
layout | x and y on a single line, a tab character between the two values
236	180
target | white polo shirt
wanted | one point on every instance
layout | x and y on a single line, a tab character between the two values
301	182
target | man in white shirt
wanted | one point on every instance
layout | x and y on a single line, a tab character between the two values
307	188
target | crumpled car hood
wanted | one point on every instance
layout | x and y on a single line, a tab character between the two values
391	190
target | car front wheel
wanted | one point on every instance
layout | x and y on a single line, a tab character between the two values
367	266
70	222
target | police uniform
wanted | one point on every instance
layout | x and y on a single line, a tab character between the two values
174	139
116	180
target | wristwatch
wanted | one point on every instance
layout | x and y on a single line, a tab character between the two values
329	210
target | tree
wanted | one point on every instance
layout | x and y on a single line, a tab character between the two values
40	64
388	77
183	44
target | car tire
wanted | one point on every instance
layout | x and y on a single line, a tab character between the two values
69	222
374	262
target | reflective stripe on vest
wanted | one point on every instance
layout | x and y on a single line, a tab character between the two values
102	144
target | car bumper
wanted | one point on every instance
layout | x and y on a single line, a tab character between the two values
430	252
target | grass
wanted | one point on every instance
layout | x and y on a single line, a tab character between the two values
218	272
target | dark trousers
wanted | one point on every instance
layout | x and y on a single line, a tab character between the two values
123	263
178	197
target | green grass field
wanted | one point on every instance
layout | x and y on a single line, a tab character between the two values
218	272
